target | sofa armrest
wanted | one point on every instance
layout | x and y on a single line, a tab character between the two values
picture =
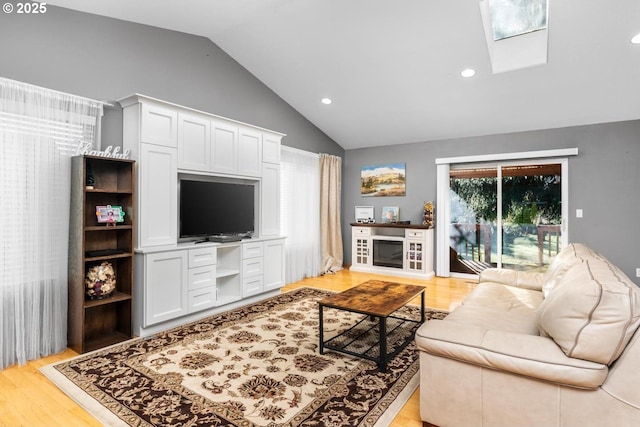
527	355
520	279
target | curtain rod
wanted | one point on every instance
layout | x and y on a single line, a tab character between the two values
29	86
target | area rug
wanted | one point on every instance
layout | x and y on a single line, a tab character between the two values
257	365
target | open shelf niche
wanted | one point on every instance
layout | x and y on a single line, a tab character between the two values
228	284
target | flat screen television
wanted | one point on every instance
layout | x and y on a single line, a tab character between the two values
216	208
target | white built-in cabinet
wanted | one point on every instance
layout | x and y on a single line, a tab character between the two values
177	281
250	152
165	274
263	266
416	242
224	148
270	193
253	268
158	203
271	149
274	263
194	142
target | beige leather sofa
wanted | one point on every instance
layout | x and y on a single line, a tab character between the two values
560	348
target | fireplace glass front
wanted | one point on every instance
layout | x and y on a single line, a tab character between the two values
387	253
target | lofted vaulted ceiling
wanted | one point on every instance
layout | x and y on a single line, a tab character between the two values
392	68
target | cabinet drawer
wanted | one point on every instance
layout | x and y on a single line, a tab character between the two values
201	257
252	250
414	234
361	231
202	277
201	299
252	267
252	286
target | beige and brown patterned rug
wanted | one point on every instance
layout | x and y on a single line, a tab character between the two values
257	365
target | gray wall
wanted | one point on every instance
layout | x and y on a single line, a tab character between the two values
107	59
603	181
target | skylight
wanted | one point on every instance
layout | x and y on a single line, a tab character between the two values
517	33
511	18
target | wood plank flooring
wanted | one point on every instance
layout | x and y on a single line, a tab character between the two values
27	398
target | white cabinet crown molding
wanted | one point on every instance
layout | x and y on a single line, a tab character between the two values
139	98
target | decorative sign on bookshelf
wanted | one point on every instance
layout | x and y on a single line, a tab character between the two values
86	149
109	214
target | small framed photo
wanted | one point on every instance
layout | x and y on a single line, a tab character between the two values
364	214
390	214
109	214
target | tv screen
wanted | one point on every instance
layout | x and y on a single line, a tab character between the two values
215	208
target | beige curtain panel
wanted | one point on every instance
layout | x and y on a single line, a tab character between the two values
330	225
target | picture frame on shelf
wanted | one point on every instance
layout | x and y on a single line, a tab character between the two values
390	214
365	214
109	215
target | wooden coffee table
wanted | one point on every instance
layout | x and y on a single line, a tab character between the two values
378	300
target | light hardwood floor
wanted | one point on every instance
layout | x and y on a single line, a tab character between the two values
27	398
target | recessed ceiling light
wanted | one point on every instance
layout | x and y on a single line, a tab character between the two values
326	101
469	72
636	39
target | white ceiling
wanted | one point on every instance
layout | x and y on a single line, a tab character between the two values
392	68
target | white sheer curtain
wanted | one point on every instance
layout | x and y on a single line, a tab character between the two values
300	212
39	130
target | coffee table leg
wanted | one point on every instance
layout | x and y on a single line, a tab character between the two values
321	328
383	344
422	307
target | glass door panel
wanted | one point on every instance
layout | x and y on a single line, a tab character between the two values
531	215
473	219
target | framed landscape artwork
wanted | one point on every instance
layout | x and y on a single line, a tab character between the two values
383	180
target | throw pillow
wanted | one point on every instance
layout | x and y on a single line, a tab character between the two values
592	313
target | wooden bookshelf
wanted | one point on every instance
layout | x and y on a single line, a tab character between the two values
95	323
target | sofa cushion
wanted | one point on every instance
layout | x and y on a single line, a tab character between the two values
521	354
519	279
592	312
571	255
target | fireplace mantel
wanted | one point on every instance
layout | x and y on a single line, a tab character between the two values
390	225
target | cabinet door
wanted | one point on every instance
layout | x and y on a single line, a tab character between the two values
224	148
270	200
361	246
271	148
414	256
194	142
250	153
274	264
157	195
166	287
361	251
159	126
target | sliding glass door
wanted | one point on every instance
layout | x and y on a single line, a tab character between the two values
474	219
505	215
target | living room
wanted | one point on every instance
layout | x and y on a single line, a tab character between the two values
107	59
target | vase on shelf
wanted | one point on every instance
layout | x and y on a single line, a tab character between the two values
100	281
427	217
